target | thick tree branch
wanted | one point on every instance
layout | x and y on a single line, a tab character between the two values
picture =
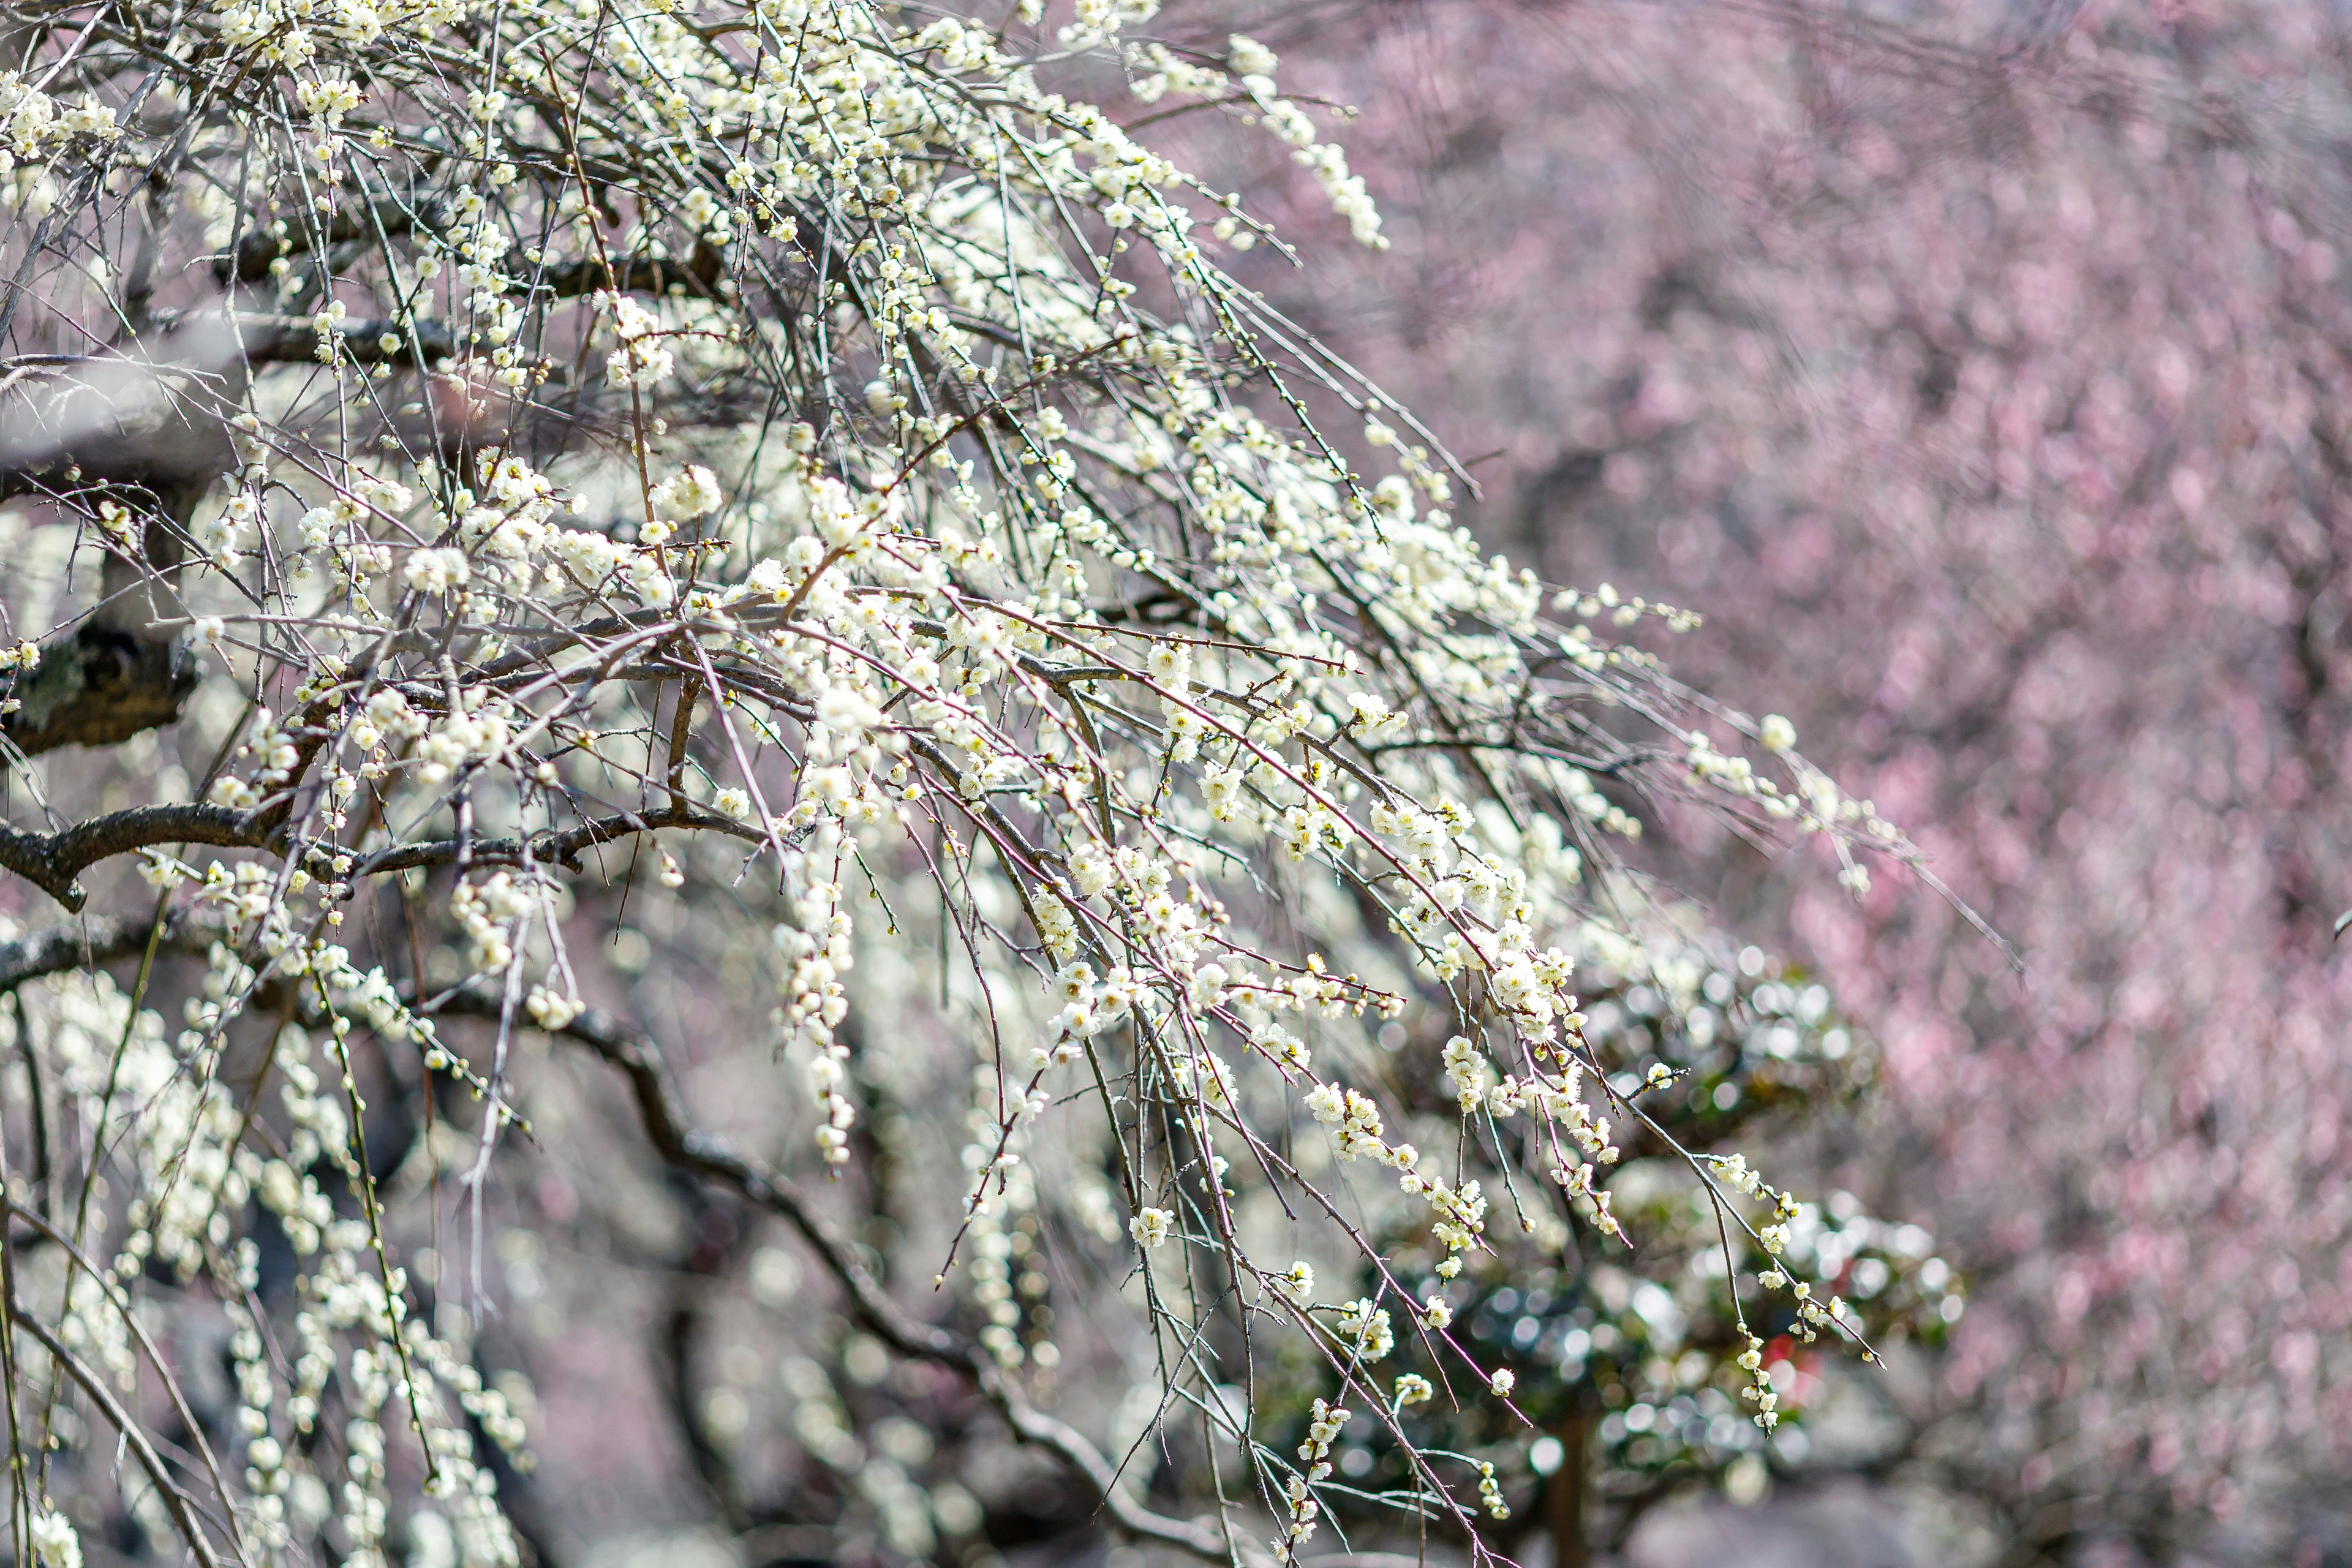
699	272
261	247
58	948
54	862
101	686
96	940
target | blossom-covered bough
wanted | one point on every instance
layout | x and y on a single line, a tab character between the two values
790	449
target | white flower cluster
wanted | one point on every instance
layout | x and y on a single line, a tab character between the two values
1323	1429
1364	1329
55	1542
35	131
643	361
180	1126
492	913
816	947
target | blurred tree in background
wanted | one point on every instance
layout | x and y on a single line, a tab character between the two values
1982	373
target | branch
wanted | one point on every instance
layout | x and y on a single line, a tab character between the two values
54	861
638	275
699	1153
260	247
120	1300
100	939
563	847
641	274
293	340
183	1512
62	947
100	686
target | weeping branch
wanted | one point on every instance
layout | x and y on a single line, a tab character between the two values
177	1501
706	1157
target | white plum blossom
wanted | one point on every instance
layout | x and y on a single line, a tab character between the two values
436	570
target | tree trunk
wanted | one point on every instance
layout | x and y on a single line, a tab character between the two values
1565	1493
126	668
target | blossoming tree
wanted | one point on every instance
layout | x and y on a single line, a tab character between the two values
790	467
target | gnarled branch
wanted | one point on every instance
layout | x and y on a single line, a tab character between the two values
54	862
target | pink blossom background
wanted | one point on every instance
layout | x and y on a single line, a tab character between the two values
1981	376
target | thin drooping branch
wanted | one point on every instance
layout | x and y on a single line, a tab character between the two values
706	1156
126	1309
175	1501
